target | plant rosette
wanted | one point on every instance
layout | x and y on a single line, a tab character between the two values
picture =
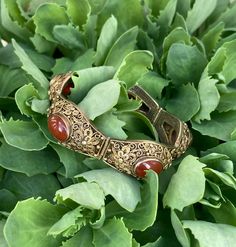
183	53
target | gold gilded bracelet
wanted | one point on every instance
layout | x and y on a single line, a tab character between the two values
71	128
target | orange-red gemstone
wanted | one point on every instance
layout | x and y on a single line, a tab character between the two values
58	127
67	89
142	167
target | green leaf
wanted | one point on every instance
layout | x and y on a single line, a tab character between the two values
24	135
40	106
187	61
227	102
69	224
68	36
29	7
227	148
94	106
226	214
153	83
78	11
89	195
209	97
166	17
28	162
127	194
184	103
228	72
134	66
81	239
71	160
146	211
180	232
178	35
106	39
34	217
186	186
10	25
113	234
218	177
212	37
110	125
24	187
121	48
22	97
220	126
11	79
30	68
87	79
127	19
199	13
3	242
210	234
46	17
8	201
65	64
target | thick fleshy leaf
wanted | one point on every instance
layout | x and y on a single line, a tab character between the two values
165	18
68	36
220	126
22	97
227	148
127	194
40	185
32	216
71	160
146	210
106	39
31	69
46	17
2	238
185	63
134	66
211	38
83	238
11	80
153	83
210	234
64	64
187	185
226	214
28	162
86	194
69	224
8	201
94	106
110	125
121	48
121	9
12	26
179	230
112	234
184	103
199	13
24	135
78	11
87	79
227	102
209	97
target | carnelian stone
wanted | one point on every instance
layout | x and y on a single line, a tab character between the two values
58	127
67	89
142	167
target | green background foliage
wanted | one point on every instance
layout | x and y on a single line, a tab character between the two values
183	52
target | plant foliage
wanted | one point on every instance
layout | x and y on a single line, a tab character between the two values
183	53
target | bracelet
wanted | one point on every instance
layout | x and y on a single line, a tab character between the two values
72	129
